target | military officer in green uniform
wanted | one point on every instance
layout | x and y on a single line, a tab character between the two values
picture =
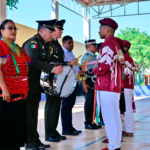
40	51
53	104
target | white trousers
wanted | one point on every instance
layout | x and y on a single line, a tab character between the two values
111	115
128	93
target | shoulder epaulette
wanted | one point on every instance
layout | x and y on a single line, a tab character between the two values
33	42
38	37
31	39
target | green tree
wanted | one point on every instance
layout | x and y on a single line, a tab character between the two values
140	46
12	3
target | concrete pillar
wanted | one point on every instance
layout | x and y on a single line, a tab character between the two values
2	10
54	10
86	24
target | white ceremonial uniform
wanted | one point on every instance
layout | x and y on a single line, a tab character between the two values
109	84
128	93
128	84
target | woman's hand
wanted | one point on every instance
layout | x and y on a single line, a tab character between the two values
6	95
5	92
26	95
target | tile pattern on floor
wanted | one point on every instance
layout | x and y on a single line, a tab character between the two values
91	139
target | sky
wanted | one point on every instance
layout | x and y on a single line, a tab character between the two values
31	10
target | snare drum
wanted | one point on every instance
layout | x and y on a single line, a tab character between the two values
62	85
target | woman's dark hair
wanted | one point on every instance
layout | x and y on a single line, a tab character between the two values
3	25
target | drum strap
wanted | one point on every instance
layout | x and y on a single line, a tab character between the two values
64	82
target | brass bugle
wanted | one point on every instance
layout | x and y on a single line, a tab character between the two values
82	76
75	61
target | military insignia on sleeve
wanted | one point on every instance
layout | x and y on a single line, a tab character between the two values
34	46
55	48
33	42
51	51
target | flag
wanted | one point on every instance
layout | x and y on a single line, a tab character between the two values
33	46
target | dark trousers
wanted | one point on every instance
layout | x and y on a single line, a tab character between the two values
122	102
89	104
101	117
66	110
52	110
32	105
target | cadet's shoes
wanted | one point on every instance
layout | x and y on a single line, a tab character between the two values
78	131
69	132
105	148
52	139
90	126
98	126
107	141
61	137
36	147
124	133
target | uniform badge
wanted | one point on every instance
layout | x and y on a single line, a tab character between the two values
34	46
55	48
33	42
51	51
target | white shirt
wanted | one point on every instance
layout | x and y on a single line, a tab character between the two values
68	57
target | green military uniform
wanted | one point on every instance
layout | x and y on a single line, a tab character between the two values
53	104
40	53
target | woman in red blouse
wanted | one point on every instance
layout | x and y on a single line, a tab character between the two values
13	89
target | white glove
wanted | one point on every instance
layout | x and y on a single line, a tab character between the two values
134	68
116	57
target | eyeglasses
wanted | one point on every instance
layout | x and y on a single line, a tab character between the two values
11	28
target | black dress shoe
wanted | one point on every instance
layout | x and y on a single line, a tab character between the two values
101	123
52	139
78	131
61	137
36	147
45	145
69	132
90	126
98	126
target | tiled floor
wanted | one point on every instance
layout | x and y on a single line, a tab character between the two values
91	140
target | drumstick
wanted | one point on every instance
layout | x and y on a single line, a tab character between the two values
60	60
55	64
